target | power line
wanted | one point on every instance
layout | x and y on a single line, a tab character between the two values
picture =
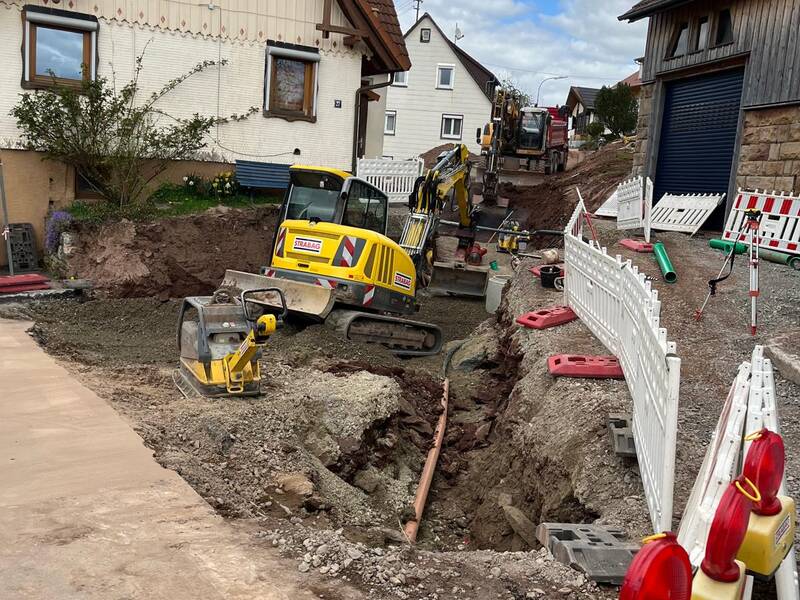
547	73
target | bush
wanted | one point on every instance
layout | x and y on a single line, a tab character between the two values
595	130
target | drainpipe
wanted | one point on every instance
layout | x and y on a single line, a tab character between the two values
359	92
6	232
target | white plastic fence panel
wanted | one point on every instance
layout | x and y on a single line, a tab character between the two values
395	178
717	470
618	305
610	207
684	213
648	209
630	202
780	223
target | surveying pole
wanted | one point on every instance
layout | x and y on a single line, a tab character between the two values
753	218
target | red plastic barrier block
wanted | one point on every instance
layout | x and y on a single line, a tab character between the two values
590	367
537	270
547	317
16	289
19	280
637	246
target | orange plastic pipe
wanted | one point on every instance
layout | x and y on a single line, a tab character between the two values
427	472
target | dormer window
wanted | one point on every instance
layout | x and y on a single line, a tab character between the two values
680	44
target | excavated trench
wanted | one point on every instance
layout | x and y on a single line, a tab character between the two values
350	421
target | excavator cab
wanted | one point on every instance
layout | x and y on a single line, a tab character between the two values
532	129
326	195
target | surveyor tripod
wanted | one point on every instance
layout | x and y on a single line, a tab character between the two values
751	227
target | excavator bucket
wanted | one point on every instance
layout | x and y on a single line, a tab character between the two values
301	298
459	279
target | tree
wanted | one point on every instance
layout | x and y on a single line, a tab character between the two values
118	145
617	109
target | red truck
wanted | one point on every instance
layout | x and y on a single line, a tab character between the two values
536	134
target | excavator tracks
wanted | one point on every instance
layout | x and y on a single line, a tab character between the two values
402	336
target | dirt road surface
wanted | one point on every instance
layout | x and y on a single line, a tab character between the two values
85	511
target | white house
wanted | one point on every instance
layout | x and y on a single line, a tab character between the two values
445	97
311	67
580	102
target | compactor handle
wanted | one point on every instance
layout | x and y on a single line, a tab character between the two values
247	293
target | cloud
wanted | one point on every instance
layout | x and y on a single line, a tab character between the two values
532	40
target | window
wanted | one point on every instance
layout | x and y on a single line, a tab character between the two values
680	45
724	28
445	76
312	196
366	207
701	35
425	36
291	82
451	127
390	125
401	79
60	47
84	189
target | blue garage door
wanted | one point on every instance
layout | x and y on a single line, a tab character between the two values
698	135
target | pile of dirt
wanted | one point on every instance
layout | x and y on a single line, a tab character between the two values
550	204
431	157
174	257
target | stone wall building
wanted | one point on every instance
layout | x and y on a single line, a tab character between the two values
720	96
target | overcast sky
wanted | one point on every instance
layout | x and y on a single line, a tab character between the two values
535	39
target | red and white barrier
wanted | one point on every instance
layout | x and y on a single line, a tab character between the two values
780	223
617	303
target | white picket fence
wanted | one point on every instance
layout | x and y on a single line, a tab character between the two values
685	213
618	305
395	178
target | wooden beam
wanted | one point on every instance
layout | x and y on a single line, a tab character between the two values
338	29
350	40
326	18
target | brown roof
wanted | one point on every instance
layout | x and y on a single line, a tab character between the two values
483	77
387	17
645	8
633	80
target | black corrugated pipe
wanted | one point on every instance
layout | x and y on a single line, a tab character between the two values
359	92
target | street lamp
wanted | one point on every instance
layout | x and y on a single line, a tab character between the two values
538	93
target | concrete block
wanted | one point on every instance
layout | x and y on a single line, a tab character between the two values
620	431
603	554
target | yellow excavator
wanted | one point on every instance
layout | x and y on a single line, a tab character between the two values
333	262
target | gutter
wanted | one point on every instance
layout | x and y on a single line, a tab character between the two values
356	120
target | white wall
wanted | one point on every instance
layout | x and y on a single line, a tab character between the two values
235	88
420	106
375	116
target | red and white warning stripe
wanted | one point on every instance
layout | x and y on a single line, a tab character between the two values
780	225
270	273
281	242
369	295
348	251
328	284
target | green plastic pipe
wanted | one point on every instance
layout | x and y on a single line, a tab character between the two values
667	270
726	246
780	258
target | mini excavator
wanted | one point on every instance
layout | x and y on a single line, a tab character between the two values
333	263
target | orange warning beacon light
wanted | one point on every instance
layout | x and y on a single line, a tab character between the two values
660	571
